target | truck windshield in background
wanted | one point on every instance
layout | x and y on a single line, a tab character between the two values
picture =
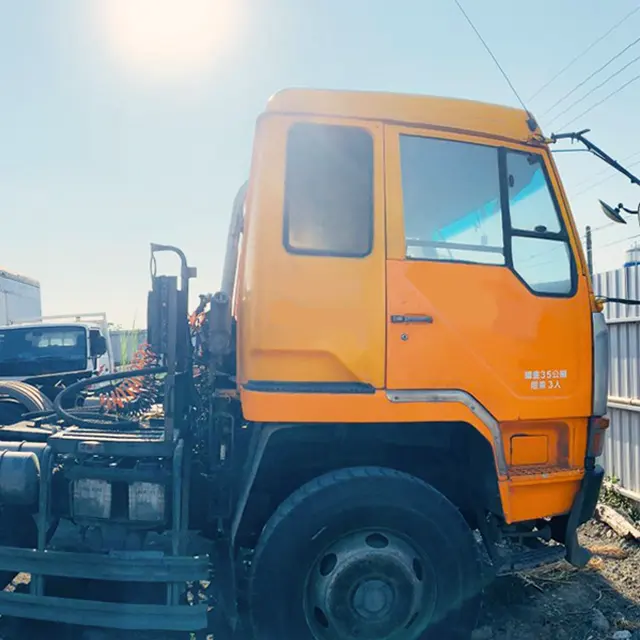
32	351
473	203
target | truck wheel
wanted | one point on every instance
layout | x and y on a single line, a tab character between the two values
365	553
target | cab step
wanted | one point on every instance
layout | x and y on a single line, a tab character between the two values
527	559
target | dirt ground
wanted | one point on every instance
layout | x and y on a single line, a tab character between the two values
562	603
558	602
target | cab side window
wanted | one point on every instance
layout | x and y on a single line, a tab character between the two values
473	203
328	204
540	248
451	201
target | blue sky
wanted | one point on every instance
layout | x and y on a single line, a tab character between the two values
111	139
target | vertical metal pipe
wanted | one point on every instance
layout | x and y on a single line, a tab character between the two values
231	253
589	251
42	519
173	588
170	382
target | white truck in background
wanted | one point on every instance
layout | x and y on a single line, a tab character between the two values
19	298
56	344
42	355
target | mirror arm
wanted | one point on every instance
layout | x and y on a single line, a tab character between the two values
596	151
627	301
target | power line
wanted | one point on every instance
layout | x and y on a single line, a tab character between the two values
610	244
597	184
582	237
600	228
597	104
586	95
541	263
606	170
583	53
486	46
591	75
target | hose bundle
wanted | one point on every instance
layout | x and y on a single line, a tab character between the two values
136	393
93	420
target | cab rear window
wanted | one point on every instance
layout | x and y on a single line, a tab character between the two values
328	208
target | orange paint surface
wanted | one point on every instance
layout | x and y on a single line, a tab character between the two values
309	318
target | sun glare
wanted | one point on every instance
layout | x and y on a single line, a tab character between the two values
168	39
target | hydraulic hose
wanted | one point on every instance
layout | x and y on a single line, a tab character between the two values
100	419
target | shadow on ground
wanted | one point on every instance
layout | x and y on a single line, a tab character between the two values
557	602
563	603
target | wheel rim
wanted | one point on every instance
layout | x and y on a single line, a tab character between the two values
369	585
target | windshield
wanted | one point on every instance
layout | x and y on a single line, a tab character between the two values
35	351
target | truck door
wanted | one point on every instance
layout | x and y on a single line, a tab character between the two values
485	290
312	279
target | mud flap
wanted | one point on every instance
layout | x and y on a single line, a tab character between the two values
583	509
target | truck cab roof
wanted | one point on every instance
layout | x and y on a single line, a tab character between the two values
446	113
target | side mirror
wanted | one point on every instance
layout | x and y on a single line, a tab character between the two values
97	344
611	213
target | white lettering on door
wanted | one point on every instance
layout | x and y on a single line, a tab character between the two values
545	379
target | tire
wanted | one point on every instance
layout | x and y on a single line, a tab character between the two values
365	553
30	397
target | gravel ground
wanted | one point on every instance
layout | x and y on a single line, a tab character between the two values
601	602
559	602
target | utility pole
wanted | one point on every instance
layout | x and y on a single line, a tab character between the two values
589	251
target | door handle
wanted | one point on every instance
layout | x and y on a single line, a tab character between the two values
411	319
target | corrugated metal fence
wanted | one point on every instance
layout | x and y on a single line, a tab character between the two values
621	457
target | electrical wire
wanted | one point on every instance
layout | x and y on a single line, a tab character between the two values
597	104
610	244
591	91
591	75
542	263
567	95
584	52
600	228
597	184
582	238
606	170
493	57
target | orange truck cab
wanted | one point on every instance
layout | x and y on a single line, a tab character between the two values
416	333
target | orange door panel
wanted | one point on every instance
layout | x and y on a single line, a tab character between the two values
310	309
463	311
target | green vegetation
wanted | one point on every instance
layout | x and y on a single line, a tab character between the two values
609	495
